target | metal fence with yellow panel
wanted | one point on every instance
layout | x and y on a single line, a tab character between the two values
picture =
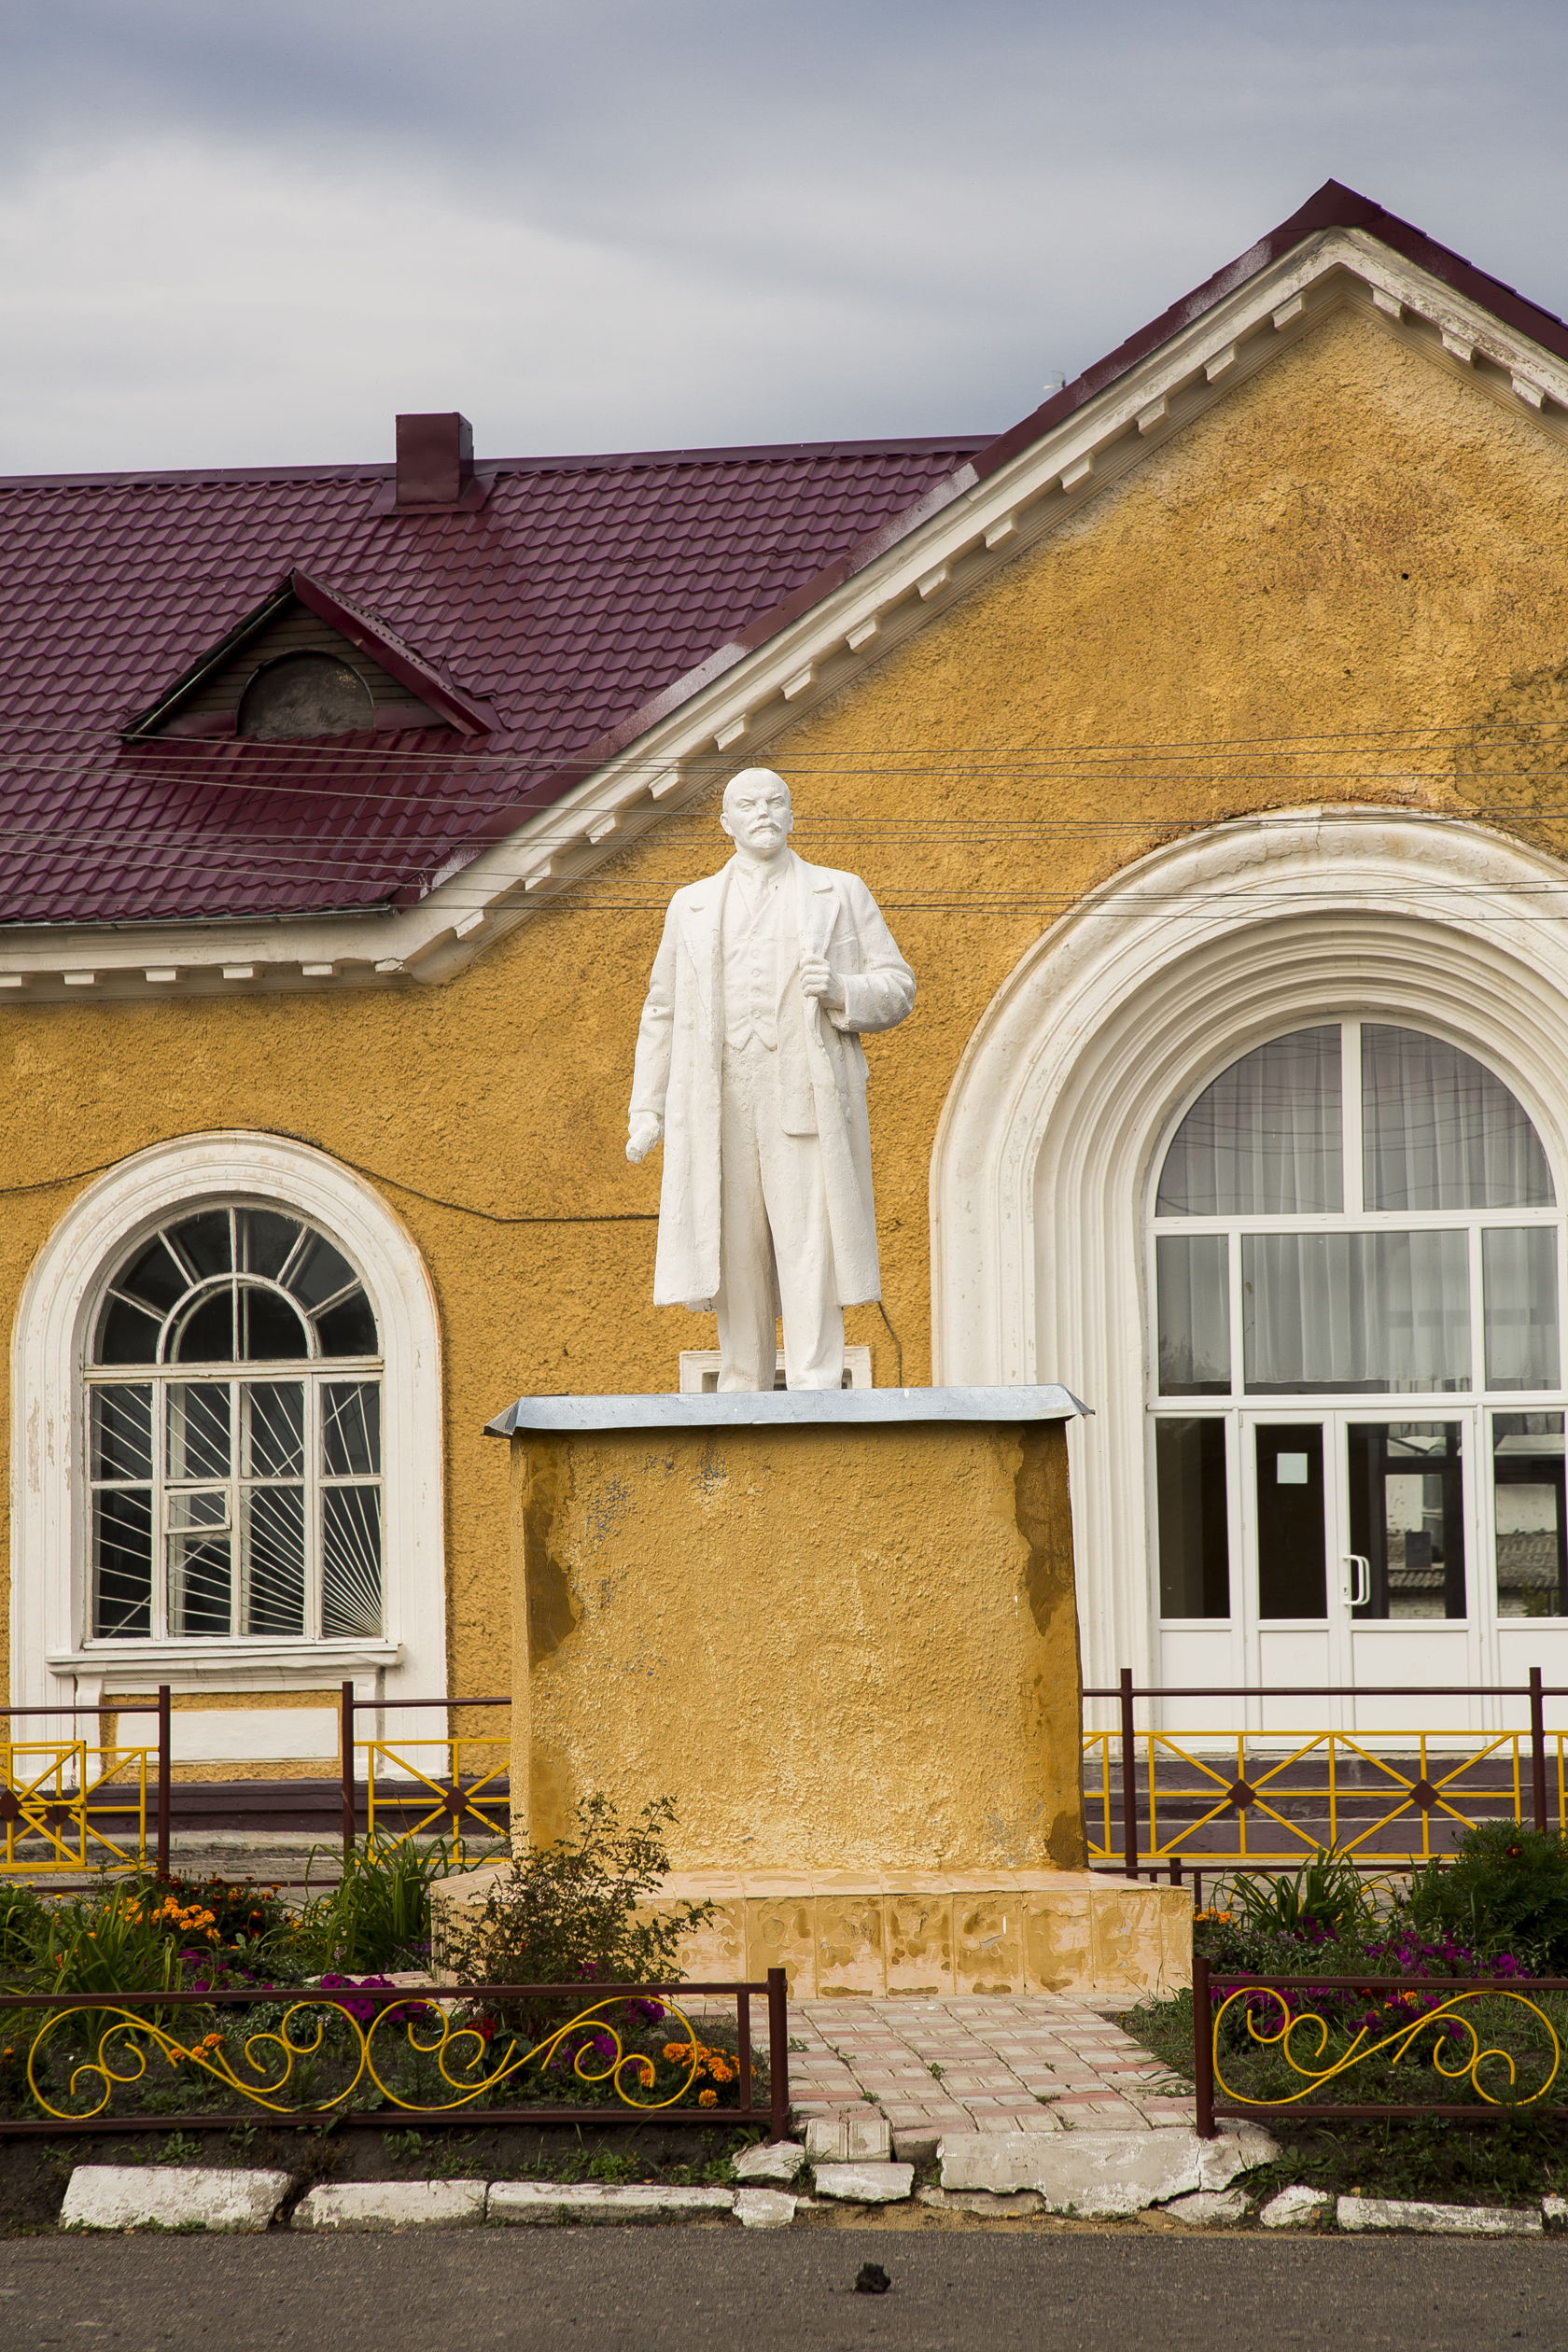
69	1805
1274	1798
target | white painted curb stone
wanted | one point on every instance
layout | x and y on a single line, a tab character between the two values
1103	2175
1297	2208
1017	2203
849	2139
523	2200
763	2208
1205	2208
780	2160
392	2205
183	2197
1554	2209
1401	2213
865	2184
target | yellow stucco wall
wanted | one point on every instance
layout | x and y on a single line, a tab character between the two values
1353	538
832	1647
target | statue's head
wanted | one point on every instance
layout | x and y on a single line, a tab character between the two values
757	814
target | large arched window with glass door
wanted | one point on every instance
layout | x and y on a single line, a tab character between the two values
1357	1379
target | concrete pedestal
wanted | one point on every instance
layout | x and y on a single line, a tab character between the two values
838	1632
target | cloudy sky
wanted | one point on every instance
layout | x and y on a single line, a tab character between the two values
242	236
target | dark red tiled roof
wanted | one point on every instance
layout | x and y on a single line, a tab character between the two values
584	595
583	588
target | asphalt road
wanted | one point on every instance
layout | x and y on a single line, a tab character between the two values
644	2291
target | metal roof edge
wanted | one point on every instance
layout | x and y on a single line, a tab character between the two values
784	1408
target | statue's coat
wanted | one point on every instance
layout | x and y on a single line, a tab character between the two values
822	1071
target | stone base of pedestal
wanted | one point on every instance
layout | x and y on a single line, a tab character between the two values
848	1934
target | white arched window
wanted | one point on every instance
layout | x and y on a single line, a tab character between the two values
227	1468
1352	1212
234	1435
1404	983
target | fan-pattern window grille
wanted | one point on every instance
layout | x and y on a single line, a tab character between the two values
235	1437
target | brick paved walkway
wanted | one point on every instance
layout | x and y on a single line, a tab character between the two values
1032	2064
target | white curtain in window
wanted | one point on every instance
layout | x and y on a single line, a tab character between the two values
1194	1283
1355	1311
1439	1131
1263	1139
1518	1279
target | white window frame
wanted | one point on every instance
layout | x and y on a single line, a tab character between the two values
51	1659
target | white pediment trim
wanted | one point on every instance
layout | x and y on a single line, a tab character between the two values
962	533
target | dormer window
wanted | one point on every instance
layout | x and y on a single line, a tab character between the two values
308	663
304	694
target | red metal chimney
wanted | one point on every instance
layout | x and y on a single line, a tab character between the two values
435	459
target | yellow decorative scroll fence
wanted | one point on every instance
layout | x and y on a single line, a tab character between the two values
457	2063
366	2053
1271	2043
1295	2032
66	1806
1395	1797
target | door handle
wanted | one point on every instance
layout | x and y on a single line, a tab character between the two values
1358	1583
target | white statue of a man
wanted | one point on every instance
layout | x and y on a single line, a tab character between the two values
749	1067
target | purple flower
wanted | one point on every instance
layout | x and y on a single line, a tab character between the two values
362	2010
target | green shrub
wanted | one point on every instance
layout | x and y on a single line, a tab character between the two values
378	1915
23	1918
1504	1890
126	1941
1327	1897
575	1912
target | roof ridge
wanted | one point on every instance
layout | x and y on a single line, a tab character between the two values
1331	206
914	445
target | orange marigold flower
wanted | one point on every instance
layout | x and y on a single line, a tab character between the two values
707	2098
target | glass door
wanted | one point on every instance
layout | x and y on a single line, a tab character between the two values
1410	1543
1357	1538
1294	1591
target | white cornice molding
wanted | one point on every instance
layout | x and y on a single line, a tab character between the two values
962	535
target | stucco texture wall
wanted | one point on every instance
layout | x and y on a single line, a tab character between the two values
1354	538
835	1649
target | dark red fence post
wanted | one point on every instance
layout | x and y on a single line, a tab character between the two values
778	2052
1203	2048
165	1794
1130	1779
1537	1747
345	1765
743	2044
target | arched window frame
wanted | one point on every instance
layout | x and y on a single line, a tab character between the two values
1354	1216
1077	1071
51	1657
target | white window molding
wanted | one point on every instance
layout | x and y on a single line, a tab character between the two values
52	1659
1114	1021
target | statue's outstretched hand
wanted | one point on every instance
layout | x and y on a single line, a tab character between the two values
820	980
646	1130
